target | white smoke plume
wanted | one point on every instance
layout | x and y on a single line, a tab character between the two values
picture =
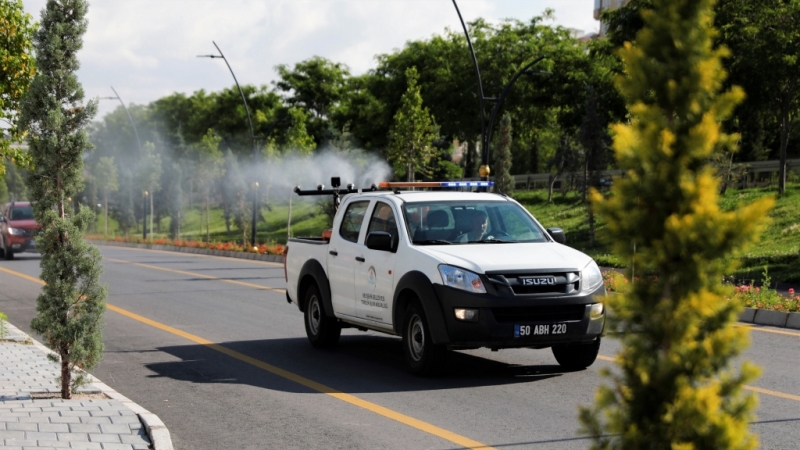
352	166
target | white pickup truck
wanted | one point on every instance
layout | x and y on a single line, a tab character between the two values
447	270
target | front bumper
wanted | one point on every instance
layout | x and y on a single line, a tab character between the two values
500	318
19	244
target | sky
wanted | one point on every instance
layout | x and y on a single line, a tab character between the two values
147	49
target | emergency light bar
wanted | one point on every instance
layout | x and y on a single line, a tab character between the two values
434	184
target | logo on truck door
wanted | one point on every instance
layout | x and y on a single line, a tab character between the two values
538	281
372	279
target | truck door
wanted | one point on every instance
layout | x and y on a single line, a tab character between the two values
374	271
342	252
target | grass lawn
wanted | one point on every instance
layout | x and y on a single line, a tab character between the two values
777	250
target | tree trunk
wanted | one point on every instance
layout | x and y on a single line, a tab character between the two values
289	220
785	128
105	202
66	376
208	235
550	186
151	215
591	226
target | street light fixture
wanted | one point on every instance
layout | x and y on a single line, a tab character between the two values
486	127
252	136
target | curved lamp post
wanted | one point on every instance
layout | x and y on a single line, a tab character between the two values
252	136
487	126
133	124
138	144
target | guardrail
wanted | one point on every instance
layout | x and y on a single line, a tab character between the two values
753	168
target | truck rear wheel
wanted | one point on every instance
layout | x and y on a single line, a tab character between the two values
322	331
423	356
577	356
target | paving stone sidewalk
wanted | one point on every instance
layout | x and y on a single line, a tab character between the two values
28	423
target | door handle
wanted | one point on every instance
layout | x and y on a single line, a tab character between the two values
333	252
360	259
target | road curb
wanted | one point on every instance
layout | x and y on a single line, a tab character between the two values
194	250
156	430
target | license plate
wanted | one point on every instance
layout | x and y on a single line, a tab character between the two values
540	330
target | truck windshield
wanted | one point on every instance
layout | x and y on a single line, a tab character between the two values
484	222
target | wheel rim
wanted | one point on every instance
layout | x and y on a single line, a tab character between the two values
314	315
416	338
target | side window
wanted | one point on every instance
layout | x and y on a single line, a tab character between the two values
351	222
383	220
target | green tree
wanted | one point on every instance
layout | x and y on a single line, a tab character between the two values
105	175
296	137
3	191
148	176
232	184
316	86
413	132
764	36
675	387
208	169
125	215
16	72
16	180
173	194
503	181
69	310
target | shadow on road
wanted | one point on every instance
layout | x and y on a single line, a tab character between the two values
359	364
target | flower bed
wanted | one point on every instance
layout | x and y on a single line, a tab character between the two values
749	296
262	249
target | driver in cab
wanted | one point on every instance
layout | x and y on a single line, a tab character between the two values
478	226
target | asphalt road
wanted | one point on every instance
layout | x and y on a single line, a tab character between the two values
210	345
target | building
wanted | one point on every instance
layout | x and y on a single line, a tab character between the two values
603	5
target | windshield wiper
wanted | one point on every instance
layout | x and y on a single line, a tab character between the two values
432	241
494	241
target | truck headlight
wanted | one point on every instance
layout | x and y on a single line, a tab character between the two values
16	231
591	278
461	279
596	311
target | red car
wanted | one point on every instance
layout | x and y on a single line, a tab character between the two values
17	229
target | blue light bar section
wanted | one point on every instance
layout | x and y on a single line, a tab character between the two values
458	184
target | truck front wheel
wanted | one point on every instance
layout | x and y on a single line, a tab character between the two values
577	356
423	356
322	331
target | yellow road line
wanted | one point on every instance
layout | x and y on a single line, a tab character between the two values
22	275
193	274
767	330
252	261
313	385
749	388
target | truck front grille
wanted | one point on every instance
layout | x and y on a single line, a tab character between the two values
537	283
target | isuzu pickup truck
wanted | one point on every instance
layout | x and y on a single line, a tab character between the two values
444	271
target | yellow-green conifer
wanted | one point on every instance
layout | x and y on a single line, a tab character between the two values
673	386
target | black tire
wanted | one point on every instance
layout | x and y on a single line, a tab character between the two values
322	331
7	254
577	356
424	358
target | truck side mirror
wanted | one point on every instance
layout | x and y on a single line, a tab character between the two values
558	235
380	240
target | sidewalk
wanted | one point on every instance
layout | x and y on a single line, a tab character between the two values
108	420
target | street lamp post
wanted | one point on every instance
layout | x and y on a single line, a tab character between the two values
138	144
252	136
487	126
133	124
